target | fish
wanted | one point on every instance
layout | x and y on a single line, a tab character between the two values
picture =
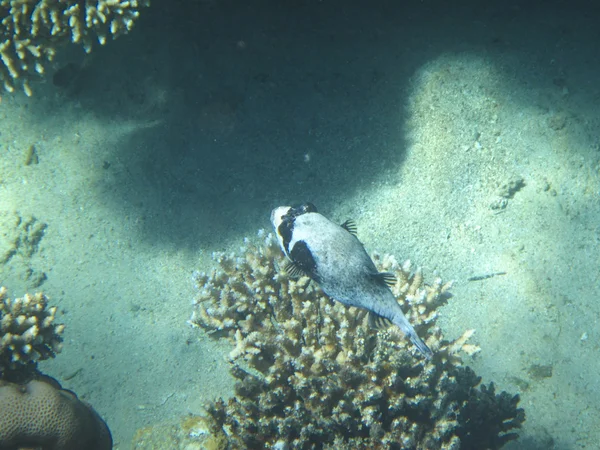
332	256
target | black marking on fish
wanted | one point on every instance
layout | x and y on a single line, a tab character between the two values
303	260
285	230
350	226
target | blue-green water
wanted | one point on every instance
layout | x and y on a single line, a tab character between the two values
178	139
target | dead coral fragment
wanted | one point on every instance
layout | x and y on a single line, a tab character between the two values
28	332
311	374
189	433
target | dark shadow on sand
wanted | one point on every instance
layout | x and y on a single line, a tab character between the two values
258	104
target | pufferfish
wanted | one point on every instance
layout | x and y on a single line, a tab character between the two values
333	257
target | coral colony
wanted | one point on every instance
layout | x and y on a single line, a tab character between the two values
32	31
34	409
311	373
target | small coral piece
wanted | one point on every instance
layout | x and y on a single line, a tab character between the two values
28	332
32	31
41	414
189	433
20	239
312	374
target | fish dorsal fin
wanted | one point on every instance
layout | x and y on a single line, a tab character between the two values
387	278
350	226
293	270
378	322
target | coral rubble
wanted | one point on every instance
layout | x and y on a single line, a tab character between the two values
188	433
28	332
32	31
311	374
20	240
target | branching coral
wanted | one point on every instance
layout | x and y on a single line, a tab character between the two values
311	374
28	331
32	31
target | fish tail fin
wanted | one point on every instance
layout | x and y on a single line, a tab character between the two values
410	332
421	345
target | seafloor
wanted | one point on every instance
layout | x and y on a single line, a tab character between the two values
462	135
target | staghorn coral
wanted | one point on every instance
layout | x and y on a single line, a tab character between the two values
32	31
311	374
28	332
41	414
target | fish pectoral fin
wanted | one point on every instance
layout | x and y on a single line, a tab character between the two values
293	270
378	322
387	278
350	226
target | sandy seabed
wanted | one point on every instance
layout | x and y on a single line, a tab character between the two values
466	139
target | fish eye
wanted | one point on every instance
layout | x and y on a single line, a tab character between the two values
309	207
303	208
296	211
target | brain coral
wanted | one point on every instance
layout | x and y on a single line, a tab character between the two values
28	332
32	31
42	415
311	373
